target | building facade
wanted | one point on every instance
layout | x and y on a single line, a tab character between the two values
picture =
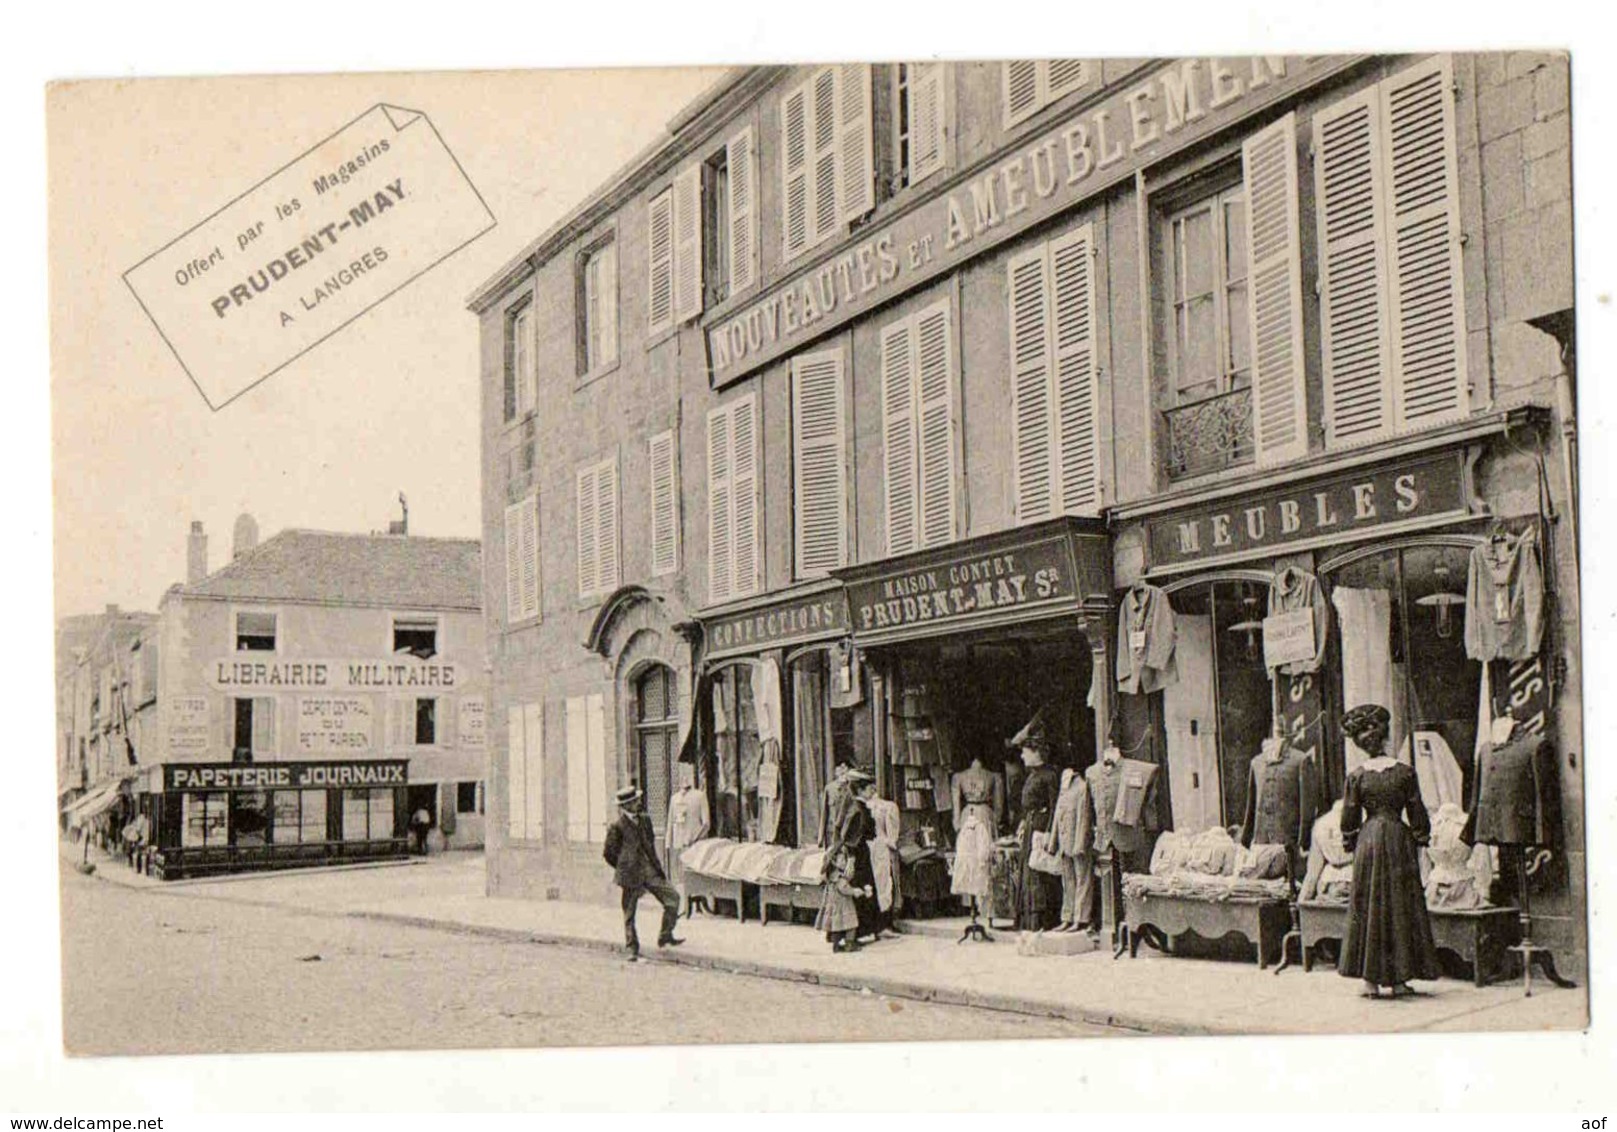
840	426
106	665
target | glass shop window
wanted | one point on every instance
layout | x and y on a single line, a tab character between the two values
249	818
823	733
736	756
204	820
426	721
416	636
255	632
1401	616
1210	345
1219	712
468	799
312	821
286	822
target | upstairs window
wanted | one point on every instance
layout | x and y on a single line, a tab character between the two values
918	121
1210	347
1032	84
598	307
598	529
918	378
255	632
734	533
520	378
819	463
827	162
416	636
522	560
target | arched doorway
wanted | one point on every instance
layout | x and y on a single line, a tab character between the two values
656	737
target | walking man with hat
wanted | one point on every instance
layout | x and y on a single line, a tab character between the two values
631	850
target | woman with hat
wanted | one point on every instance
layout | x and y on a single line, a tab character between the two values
855	834
1040	904
1389	935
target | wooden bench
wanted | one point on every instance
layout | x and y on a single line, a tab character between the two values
1481	937
700	886
1262	922
789	896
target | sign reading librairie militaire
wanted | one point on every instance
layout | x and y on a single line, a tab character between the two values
246	671
1410	493
308	250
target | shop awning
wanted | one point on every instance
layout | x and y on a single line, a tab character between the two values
97	801
1058	568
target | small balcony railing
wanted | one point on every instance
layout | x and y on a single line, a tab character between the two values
1210	435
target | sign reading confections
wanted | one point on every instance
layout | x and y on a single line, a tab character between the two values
1408	494
284	776
1166	110
793	621
255	672
329	725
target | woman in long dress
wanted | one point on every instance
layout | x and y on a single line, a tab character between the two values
1040	904
1389	934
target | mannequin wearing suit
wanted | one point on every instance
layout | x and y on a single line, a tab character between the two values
1281	801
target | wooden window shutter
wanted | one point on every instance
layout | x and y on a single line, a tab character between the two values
529	565
400	722
516	777
514	602
600	783
688	244
1074	393
522	366
900	460
935	381
578	770
1275	303
263	725
794	112
1422	216
1030	384
1062	77
740	160
1021	89
826	164
532	753
587	537
720	563
660	242
857	191
925	94
1353	269
606	526
664	505
747	556
819	463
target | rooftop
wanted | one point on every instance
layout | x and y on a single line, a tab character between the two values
332	568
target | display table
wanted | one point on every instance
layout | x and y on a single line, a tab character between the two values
1263	922
1479	936
699	886
789	896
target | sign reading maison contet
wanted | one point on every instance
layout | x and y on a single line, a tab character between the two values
1168	109
247	672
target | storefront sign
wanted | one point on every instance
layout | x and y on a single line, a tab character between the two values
471	722
1165	111
1002	579
330	725
284	776
1340	508
253	672
1288	638
187	724
790	622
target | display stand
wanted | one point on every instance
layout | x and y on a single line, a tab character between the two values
974	930
1531	952
1295	932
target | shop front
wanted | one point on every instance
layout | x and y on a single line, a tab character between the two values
1422	580
212	818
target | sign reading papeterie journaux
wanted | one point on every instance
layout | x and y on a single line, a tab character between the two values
287	776
260	673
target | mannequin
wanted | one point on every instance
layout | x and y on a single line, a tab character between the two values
1281	800
688	823
978	790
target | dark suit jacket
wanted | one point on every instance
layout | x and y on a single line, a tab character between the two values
1282	801
1517	797
631	850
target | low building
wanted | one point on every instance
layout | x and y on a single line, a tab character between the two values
105	681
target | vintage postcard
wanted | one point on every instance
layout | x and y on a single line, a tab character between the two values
872	551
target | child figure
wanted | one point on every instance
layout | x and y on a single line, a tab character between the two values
838	917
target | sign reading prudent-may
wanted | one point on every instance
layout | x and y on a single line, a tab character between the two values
959	589
308	250
1166	110
1340	507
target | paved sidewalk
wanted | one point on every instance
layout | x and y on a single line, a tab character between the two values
1152	993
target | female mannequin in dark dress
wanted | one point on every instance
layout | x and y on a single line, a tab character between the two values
1389	935
1040	904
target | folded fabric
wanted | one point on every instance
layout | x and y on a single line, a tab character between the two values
1261	862
1199	886
1211	853
1169	854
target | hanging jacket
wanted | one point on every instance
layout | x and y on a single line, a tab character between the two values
1504	600
1145	640
1294	589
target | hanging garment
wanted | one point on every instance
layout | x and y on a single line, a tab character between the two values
1504	599
1517	794
1436	769
834	805
1138	779
1294	589
847	678
769	790
1104	780
697	734
1389	933
766	699
1368	673
1282	799
884	861
1145	641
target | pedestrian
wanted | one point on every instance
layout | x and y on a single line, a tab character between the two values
631	850
420	823
1039	907
839	915
858	829
1389	933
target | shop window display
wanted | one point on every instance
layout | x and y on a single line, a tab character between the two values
204	819
736	755
824	734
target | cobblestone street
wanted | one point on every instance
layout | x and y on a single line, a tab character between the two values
190	974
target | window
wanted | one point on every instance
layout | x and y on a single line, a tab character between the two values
733	531
587	783
827	162
918	121
734	773
730	219
522	561
368	814
656	736
415	721
249	818
255	632
416	636
426	722
597	536
298	816
525	780
468	797
1031	85
1054	424
918	437
521	381
204	820
674	241
598	306
1392	294
254	728
664	504
819	463
1211	351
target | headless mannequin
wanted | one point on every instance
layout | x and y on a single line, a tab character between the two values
980	789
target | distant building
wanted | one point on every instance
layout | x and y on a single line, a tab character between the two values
105	673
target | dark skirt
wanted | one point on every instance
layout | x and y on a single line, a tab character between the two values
1389	935
1039	906
863	875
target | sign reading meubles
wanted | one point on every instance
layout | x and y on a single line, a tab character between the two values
1166	110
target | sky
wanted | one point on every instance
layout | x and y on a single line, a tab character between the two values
388	404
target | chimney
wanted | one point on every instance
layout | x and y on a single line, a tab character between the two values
244	536
113	610
196	554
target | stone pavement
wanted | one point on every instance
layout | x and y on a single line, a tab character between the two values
1151	993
